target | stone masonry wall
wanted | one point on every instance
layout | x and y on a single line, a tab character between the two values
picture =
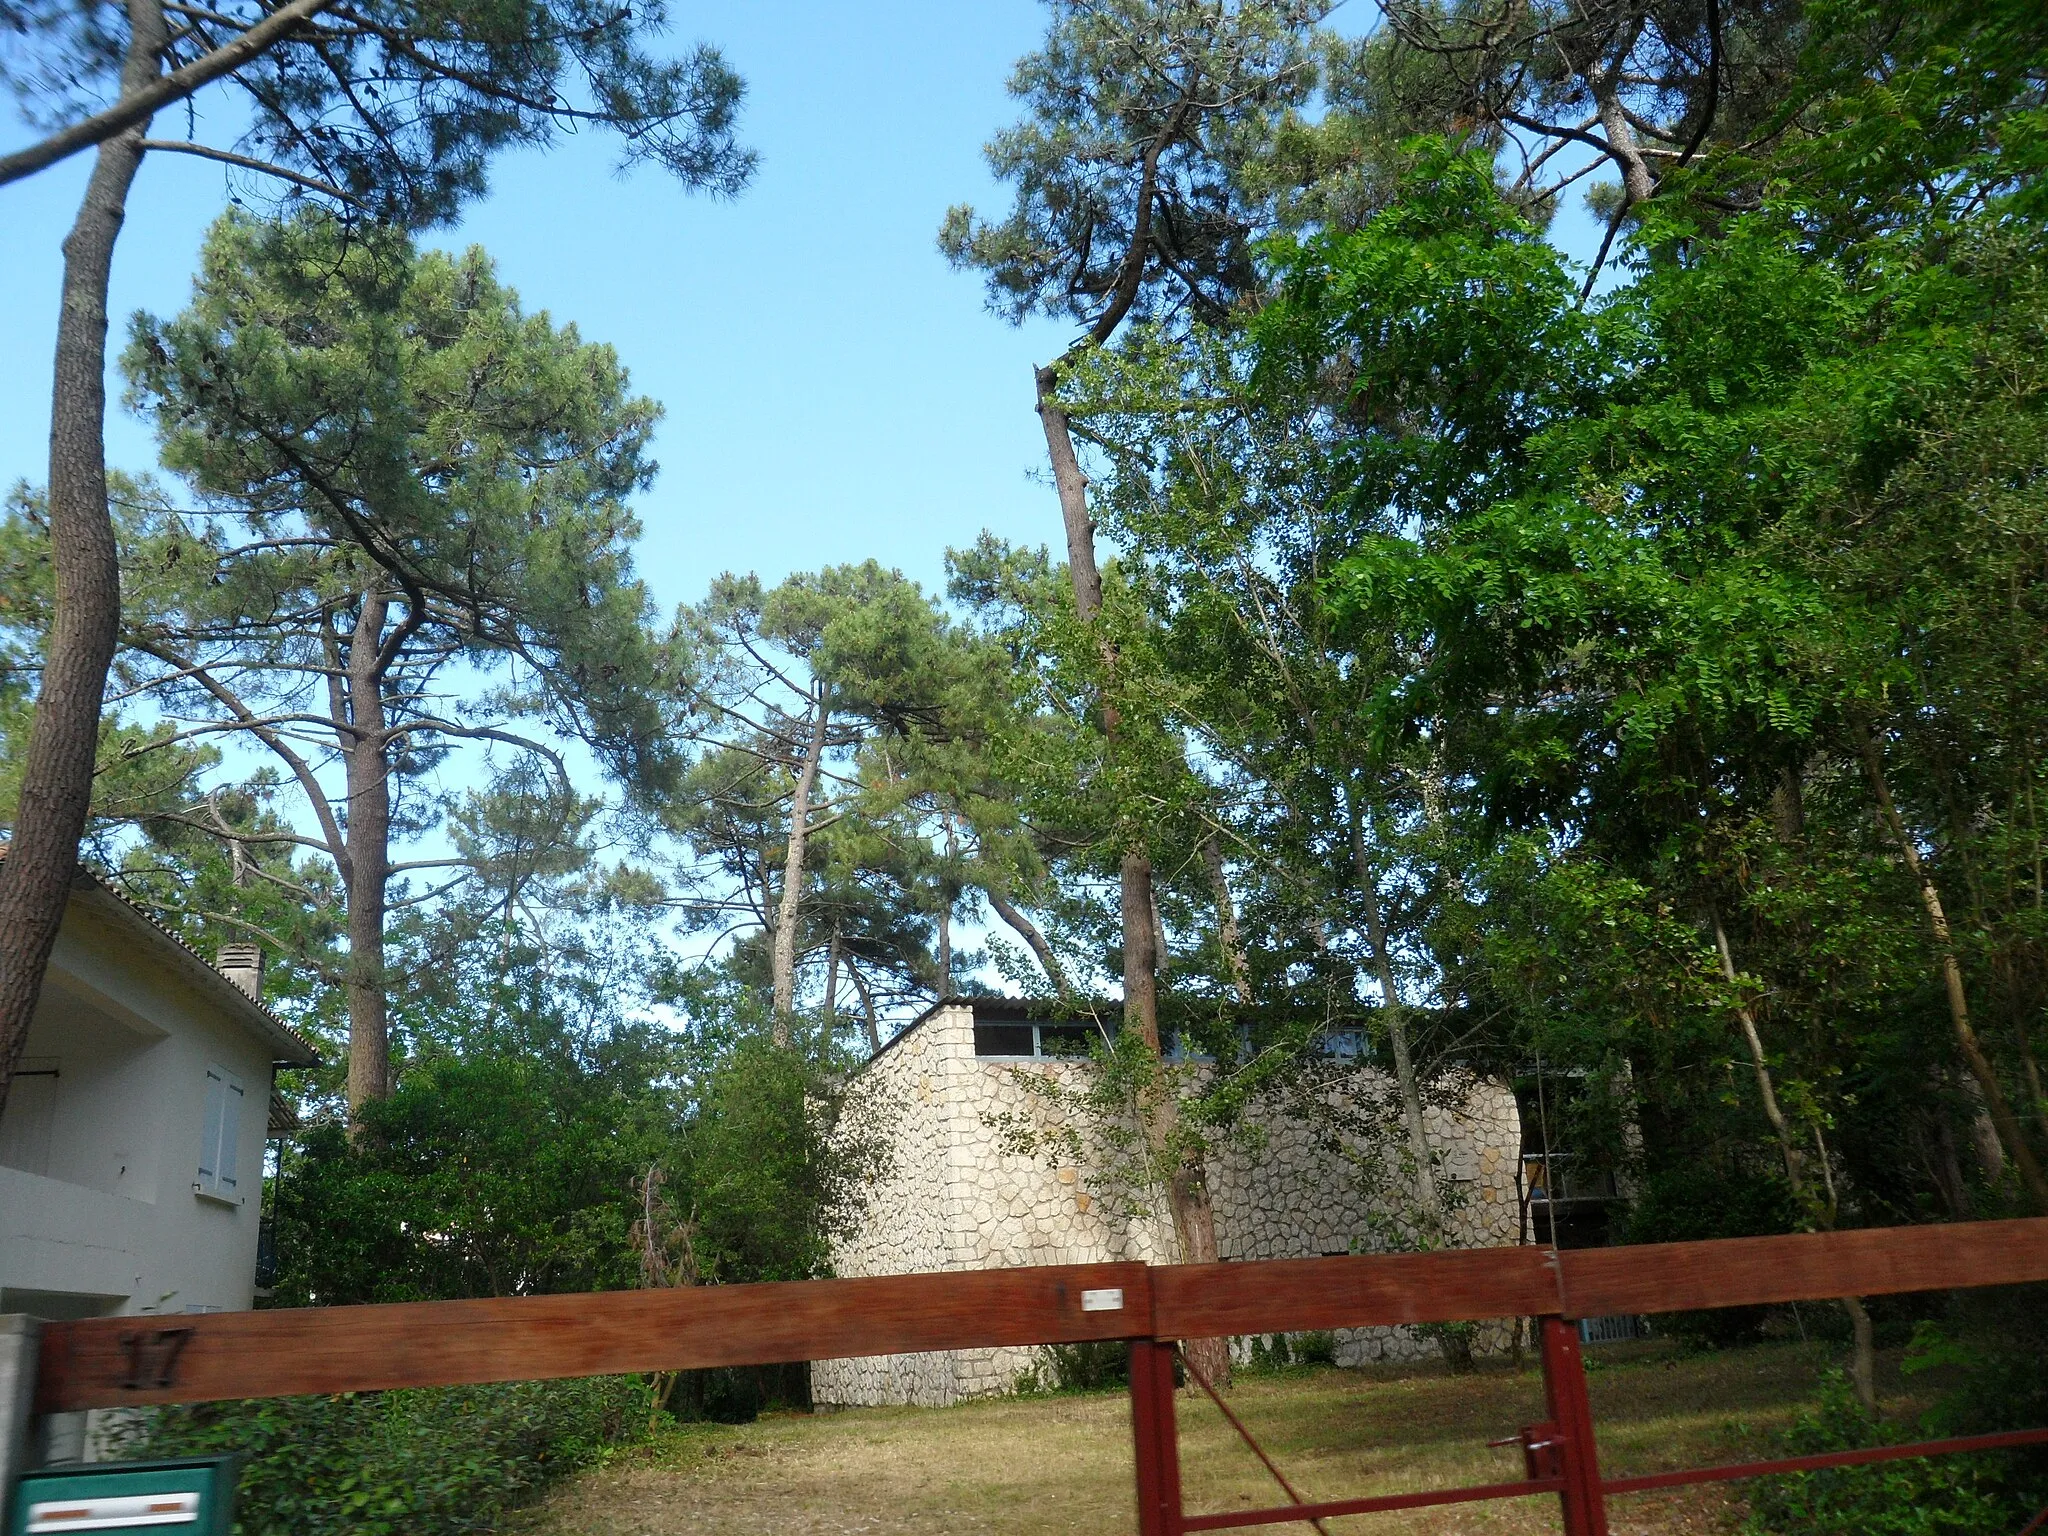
902	1095
955	1198
1291	1197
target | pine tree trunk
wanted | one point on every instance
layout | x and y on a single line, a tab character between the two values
367	873
867	1004
949	897
1194	1218
789	908
832	990
57	770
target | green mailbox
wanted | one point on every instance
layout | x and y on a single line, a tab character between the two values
195	1497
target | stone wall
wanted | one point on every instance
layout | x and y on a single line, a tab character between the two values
901	1101
954	1196
1291	1196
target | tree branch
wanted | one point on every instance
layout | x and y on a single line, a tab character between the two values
337	844
249	163
176	86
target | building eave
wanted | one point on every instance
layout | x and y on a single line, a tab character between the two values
287	1046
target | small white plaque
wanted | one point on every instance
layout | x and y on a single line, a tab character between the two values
123	1512
1103	1301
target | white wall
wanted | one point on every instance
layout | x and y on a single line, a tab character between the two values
107	1221
901	1099
957	1197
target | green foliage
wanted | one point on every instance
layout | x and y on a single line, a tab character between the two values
1126	94
360	416
425	1462
1917	1497
1689	1201
1099	1365
1694	1203
510	1168
487	1175
393	110
895	694
1284	1351
1558	630
768	1186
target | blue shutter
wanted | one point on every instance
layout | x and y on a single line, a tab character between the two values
230	1135
221	1134
209	1137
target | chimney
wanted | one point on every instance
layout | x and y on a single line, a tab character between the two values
242	964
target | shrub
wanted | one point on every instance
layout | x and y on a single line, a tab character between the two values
738	1394
1089	1366
1695	1201
1994	1357
1315	1349
1273	1352
431	1461
1923	1497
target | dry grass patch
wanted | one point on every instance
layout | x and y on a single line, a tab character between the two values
1036	1466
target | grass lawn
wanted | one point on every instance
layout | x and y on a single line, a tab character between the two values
1035	1466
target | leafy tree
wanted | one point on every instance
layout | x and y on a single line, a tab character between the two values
1239	476
1125	206
819	694
406	484
768	1187
1622	646
389	111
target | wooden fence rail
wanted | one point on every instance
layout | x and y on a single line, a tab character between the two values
114	1362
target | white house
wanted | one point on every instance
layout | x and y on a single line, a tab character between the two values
132	1143
953	1190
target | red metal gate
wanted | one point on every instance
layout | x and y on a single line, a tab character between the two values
112	1362
1561	1454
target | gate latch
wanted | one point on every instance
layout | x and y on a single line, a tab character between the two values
1541	1450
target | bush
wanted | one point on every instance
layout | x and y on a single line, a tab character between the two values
1993	1352
1315	1349
1089	1366
738	1394
1693	1202
431	1461
1275	1352
1934	1496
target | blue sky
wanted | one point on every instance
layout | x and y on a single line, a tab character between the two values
833	390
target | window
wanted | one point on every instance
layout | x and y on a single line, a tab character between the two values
224	1098
30	1117
1068	1038
1005	1039
1347	1044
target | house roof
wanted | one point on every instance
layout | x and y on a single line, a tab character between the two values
287	1046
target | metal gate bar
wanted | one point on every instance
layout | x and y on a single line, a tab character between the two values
1561	1456
1258	1450
1958	1446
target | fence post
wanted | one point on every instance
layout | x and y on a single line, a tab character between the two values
20	1342
1564	1388
1156	1439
